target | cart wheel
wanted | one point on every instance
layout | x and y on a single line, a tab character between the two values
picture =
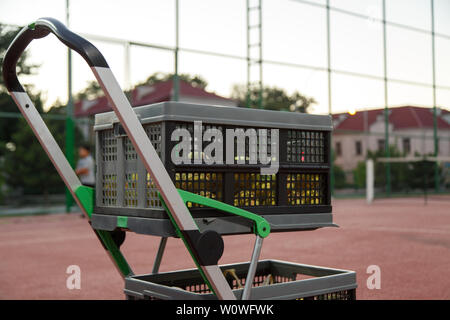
118	237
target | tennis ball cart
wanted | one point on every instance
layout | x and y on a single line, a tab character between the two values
141	188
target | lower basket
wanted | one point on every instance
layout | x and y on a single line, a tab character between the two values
273	280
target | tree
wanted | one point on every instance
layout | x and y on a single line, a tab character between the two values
340	180
27	166
404	175
8	125
195	80
7	34
422	174
2	176
93	89
274	98
339	176
399	171
59	126
359	175
91	92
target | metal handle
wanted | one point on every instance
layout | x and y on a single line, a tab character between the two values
37	30
40	29
125	114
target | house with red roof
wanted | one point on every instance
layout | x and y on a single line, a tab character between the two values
159	92
410	130
148	94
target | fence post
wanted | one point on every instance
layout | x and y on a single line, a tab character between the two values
370	181
386	106
70	128
435	129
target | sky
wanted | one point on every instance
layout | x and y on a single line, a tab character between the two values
293	32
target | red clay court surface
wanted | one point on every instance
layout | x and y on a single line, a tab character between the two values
410	242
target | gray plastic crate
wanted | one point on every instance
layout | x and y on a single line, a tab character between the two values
298	193
273	280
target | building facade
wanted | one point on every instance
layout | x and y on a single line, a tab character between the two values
410	131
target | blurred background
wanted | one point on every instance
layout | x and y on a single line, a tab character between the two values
381	68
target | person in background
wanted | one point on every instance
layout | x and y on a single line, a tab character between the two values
85	166
85	171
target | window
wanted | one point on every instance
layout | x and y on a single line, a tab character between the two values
406	145
338	149
358	147
380	144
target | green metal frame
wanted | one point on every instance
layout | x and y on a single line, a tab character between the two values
86	195
261	227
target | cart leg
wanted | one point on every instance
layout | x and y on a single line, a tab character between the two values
252	268
159	254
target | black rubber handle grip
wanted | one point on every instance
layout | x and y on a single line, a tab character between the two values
39	29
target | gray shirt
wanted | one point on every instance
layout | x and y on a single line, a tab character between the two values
88	163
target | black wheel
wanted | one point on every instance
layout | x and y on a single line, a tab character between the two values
118	237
